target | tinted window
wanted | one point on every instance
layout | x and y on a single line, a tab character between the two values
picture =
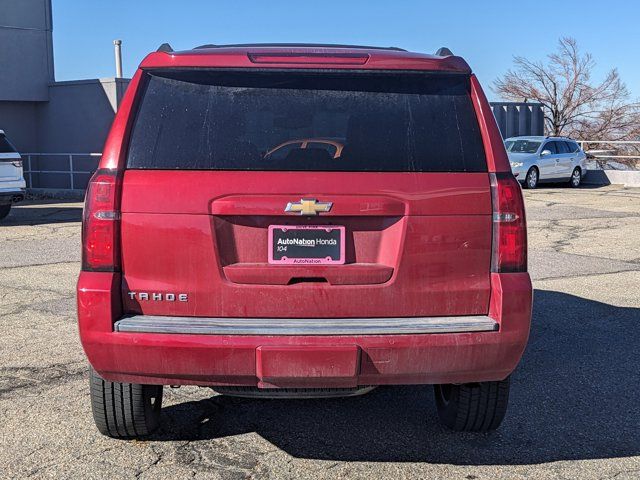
551	146
280	152
522	146
329	147
572	146
231	120
562	147
5	145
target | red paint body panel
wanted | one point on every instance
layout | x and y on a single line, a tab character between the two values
497	159
266	193
350	274
417	244
326	366
357	204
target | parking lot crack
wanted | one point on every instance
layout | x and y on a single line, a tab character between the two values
46	264
13	379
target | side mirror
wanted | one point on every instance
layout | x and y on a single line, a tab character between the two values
544	153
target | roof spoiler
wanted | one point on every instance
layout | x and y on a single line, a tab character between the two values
294	45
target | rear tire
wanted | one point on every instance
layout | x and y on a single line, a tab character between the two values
472	407
124	410
576	178
531	180
4	210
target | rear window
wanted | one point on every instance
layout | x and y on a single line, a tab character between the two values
292	120
5	145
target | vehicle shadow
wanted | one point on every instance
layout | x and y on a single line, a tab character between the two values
39	212
574	396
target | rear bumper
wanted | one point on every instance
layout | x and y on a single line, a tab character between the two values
11	195
333	358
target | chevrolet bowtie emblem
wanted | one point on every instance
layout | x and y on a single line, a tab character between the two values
308	206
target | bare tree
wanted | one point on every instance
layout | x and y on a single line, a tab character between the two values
574	104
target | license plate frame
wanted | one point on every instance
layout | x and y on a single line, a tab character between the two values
280	257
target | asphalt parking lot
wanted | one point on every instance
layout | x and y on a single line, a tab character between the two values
574	410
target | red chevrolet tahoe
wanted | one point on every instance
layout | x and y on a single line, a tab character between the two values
219	252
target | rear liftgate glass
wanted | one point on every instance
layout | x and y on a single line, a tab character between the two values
364	122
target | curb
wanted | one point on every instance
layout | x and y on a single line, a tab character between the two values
627	178
54	194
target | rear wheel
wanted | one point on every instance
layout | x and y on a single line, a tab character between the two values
576	178
531	180
472	407
4	210
125	410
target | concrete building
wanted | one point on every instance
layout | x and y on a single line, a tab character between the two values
40	115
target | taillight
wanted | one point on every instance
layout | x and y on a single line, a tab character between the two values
101	223
13	162
509	249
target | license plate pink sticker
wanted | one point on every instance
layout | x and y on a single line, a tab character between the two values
306	244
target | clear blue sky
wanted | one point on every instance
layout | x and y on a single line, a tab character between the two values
486	33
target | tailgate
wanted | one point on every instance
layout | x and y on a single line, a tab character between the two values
416	244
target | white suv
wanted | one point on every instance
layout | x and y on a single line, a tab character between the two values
12	184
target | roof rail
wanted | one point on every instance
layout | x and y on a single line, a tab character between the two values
444	52
165	47
293	45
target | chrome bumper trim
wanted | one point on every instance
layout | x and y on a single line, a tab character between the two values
304	326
